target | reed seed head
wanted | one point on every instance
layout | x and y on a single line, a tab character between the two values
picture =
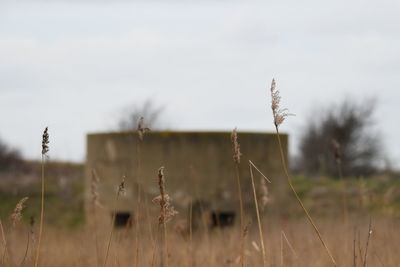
278	113
93	189
17	213
45	141
167	211
235	147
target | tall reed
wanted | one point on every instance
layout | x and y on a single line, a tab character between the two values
94	204
236	159
251	165
6	253
367	245
279	115
45	150
167	211
121	190
141	130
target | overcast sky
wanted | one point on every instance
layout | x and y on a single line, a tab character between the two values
75	66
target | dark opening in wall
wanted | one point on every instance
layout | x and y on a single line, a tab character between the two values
222	218
122	219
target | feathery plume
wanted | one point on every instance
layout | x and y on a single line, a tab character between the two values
45	141
17	213
235	147
279	114
93	189
167	210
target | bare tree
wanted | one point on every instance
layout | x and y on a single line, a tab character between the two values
150	112
349	125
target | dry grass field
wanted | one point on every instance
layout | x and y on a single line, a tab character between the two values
291	243
305	224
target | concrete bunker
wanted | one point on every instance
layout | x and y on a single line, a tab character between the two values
198	166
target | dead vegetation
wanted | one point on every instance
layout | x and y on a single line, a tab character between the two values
263	239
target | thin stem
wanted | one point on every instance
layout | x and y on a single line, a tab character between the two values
281	250
258	215
6	252
354	249
285	169
96	235
241	215
153	241
138	180
366	248
111	233
165	241
41	215
289	244
191	234
26	249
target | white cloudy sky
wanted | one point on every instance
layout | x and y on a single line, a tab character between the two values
74	66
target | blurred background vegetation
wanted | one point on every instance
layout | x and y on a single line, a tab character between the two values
370	186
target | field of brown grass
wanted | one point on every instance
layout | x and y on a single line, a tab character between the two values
217	247
303	225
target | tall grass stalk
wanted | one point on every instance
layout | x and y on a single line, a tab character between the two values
289	244
6	251
258	214
367	245
167	211
141	130
191	264
94	204
279	116
354	248
121	190
45	149
236	160
154	243
162	218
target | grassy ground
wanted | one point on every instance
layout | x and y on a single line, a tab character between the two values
348	242
64	193
289	239
378	195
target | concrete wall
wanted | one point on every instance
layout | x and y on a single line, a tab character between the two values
198	165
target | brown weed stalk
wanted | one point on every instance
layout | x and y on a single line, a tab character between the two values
167	211
45	150
279	115
30	236
141	130
368	238
236	159
251	165
17	213
121	190
94	204
6	253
